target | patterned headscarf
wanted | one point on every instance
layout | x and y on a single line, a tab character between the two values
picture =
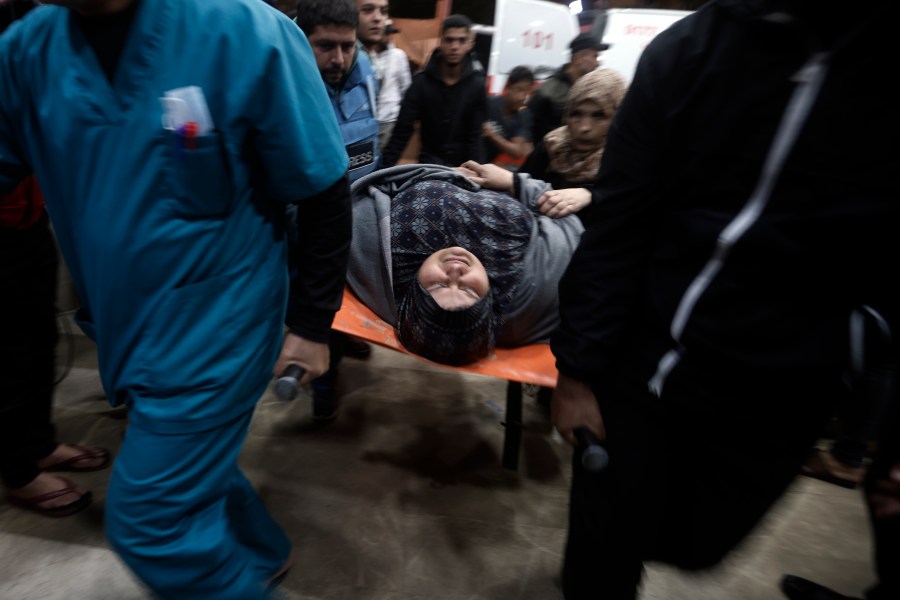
432	215
606	88
451	337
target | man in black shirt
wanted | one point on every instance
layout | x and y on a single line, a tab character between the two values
705	317
448	99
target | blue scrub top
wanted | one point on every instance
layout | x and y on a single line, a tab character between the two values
177	253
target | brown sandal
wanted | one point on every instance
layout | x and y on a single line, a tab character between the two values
71	464
33	503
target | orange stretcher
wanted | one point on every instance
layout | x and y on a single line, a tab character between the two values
532	364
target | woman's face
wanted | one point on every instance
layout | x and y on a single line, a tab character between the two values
454	277
588	125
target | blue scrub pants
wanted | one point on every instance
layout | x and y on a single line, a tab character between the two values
185	519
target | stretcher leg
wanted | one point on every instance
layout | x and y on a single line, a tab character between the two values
512	439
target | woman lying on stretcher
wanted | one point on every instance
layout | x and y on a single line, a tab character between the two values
457	269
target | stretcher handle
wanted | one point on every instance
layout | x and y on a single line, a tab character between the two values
288	385
593	456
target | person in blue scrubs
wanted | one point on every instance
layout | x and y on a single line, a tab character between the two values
168	135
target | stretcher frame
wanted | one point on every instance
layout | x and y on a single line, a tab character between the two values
532	364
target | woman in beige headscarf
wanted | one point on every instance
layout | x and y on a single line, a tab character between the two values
568	158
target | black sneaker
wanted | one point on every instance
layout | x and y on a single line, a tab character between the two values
797	588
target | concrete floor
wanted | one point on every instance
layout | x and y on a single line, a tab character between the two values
404	498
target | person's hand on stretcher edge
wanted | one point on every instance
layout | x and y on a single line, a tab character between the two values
552	203
574	405
312	357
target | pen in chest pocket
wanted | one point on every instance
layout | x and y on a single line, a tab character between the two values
187	136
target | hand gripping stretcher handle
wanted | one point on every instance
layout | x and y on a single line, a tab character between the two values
288	385
593	456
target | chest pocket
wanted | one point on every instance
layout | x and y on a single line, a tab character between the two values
356	104
359	129
201	177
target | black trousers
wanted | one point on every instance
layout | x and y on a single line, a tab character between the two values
861	417
325	384
886	531
28	273
690	473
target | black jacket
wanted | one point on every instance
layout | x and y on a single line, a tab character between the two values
686	153
548	103
451	116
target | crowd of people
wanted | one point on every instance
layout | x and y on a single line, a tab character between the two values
695	247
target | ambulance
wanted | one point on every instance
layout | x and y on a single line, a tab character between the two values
531	33
536	34
628	31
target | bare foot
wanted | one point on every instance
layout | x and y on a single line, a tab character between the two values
45	483
822	465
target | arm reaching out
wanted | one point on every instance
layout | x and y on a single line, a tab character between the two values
488	175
